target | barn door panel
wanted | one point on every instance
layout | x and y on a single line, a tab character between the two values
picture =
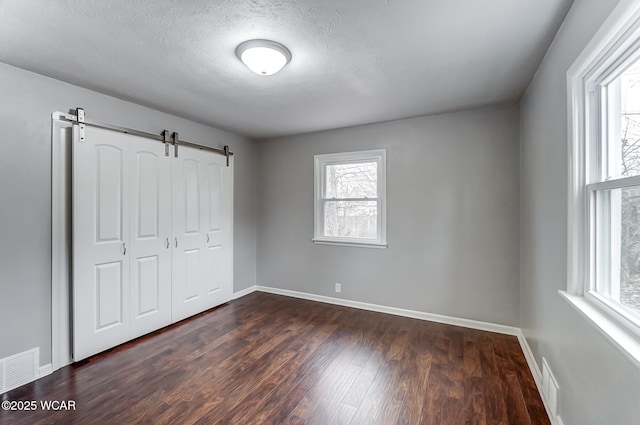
100	242
150	274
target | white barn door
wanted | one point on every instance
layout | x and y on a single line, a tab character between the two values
100	242
188	233
202	253
218	261
150	233
121	233
152	237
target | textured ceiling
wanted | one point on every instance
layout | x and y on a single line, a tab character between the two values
354	62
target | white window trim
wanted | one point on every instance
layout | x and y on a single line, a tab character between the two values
620	33
377	155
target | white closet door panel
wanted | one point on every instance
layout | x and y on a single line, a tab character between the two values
215	180
147	274
191	183
109	185
147	195
192	275
100	240
150	236
188	234
214	272
218	204
108	288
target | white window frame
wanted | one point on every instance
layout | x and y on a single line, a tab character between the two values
320	162
615	44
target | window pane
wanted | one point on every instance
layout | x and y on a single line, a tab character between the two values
629	154
618	246
359	180
351	219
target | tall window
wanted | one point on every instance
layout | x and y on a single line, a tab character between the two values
604	179
350	198
614	190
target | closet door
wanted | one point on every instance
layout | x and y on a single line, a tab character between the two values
100	241
188	233
150	230
218	204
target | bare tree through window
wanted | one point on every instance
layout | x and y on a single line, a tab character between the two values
351	192
630	199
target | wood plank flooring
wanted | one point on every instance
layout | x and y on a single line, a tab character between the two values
269	359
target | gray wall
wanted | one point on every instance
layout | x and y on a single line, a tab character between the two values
452	187
598	385
26	103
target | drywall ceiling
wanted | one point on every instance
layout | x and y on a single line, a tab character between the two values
354	61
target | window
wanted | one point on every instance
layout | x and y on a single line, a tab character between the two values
604	179
350	198
613	191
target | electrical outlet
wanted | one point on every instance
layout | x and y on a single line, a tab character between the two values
338	287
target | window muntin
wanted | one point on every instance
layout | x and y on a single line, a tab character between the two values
350	198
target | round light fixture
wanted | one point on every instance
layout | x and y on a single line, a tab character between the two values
264	57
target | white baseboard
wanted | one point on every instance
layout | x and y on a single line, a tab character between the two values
244	292
45	370
531	361
465	323
537	376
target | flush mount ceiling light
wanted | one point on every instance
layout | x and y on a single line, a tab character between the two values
264	57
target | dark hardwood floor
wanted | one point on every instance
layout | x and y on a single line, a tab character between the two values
269	359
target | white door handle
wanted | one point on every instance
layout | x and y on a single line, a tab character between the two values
123	249
167	244
207	238
175	241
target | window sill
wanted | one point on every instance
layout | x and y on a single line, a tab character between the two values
622	338
374	245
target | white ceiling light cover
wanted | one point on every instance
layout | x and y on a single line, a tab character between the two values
264	57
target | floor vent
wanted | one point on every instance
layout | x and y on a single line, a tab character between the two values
19	369
550	389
